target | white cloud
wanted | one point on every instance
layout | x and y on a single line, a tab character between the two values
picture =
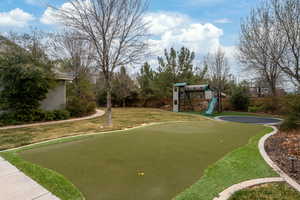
49	17
16	18
223	21
163	21
177	30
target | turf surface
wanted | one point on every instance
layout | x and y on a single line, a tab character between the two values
244	163
155	162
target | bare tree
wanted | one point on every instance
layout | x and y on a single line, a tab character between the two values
262	45
287	13
117	30
124	85
33	42
76	54
219	73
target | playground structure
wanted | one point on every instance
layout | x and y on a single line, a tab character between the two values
183	95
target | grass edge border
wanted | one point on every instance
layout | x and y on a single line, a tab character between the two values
51	180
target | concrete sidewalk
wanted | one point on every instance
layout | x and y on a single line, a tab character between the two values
15	185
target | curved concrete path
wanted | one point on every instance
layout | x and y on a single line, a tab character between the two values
15	185
98	113
226	194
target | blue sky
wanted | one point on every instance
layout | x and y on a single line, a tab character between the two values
201	25
210	11
202	11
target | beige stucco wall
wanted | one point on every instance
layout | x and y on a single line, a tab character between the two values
56	98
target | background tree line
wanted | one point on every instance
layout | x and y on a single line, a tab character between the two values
270	43
153	85
270	48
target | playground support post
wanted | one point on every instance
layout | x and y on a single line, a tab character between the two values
220	108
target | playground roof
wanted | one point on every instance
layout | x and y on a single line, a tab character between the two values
197	88
180	84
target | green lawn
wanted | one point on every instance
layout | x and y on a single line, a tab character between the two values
275	191
172	157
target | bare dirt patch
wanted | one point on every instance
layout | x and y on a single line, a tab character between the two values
284	149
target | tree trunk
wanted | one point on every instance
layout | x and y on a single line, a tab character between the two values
273	91
219	102
274	98
124	103
109	122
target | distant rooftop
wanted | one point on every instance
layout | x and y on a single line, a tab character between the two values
63	76
180	84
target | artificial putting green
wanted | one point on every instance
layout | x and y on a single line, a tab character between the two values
154	162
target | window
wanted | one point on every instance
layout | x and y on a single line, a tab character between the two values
175	89
175	102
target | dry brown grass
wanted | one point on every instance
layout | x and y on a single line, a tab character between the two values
122	118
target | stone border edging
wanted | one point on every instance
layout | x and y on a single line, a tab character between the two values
98	113
268	160
226	194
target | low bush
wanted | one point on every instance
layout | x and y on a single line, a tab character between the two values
8	118
79	107
38	115
255	109
32	115
292	102
291	123
239	99
91	107
49	116
61	114
283	105
81	96
291	105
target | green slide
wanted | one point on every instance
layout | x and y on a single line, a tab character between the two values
211	106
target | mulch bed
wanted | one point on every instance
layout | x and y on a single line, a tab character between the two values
283	147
